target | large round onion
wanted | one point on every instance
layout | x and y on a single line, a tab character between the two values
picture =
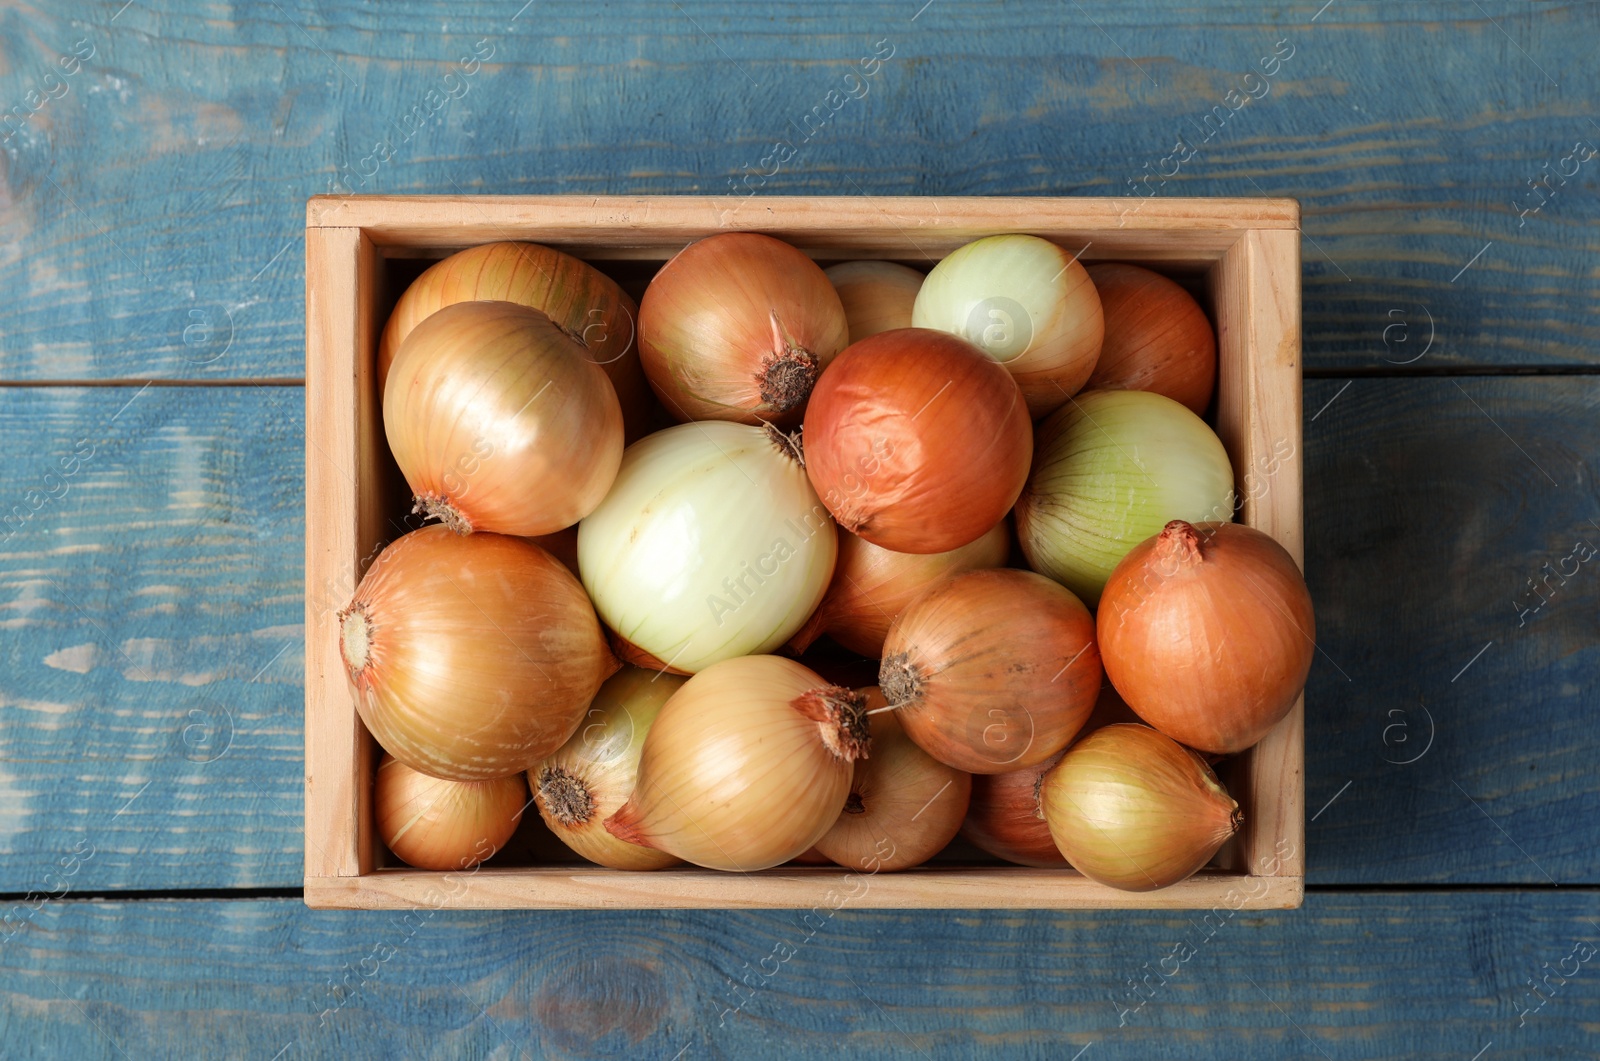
1135	810
710	545
1208	634
737	327
747	766
917	441
472	657
582	301
992	671
877	295
499	421
1028	303
1157	337
872	586
432	823
1109	470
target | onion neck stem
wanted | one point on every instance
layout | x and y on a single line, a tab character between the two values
1178	545
439	507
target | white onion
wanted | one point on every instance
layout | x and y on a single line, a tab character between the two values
711	544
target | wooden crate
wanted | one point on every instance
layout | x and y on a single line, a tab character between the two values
1245	253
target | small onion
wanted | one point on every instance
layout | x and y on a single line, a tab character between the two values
916	441
871	586
1005	819
1207	632
591	776
431	823
1135	810
904	805
747	766
877	295
992	671
499	422
710	545
1109	470
1028	303
738	326
1157	337
472	657
582	301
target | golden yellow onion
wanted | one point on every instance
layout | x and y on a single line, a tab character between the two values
877	295
472	657
591	776
747	766
431	823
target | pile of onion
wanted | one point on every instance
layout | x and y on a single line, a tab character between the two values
1157	337
431	823
877	296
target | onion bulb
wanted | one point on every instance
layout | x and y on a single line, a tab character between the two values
904	805
582	301
1135	810
1109	470
877	295
738	326
710	545
431	823
591	776
992	671
1208	634
747	766
499	422
871	586
916	441
1028	303
472	657
1157	337
1005	818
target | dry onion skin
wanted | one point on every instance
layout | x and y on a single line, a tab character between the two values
591	776
738	326
1157	337
747	766
499	422
711	545
472	657
992	671
431	823
872	586
1028	304
1110	469
1005	819
917	441
877	295
1135	810
1207	631
582	301
904	806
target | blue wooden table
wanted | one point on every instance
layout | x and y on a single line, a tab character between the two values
157	158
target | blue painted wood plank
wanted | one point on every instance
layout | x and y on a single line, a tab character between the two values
152	200
150	635
1418	976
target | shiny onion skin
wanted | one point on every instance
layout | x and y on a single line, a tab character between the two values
992	671
904	806
582	301
1110	468
738	326
499	422
1135	810
1157	337
1207	632
917	441
1028	304
871	586
746	767
877	295
435	824
472	657
1005	820
591	776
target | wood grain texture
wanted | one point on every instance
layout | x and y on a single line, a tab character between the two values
153	212
1424	977
150	636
